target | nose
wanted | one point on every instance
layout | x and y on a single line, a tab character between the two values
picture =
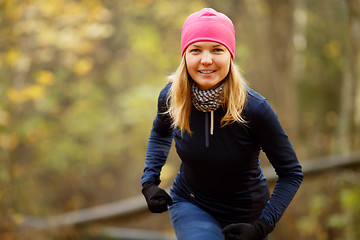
206	58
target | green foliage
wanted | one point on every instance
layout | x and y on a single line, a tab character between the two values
333	208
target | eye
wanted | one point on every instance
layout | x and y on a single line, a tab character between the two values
195	50
218	50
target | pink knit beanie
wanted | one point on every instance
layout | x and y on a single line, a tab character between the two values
208	25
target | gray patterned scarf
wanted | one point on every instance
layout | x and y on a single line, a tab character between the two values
206	100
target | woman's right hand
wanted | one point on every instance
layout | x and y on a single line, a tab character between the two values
156	198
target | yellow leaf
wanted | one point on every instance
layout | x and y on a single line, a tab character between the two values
12	56
45	77
83	66
18	218
16	96
50	8
16	10
48	36
4	118
84	48
34	91
75	9
31	138
9	142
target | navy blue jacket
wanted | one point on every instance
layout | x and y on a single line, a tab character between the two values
220	173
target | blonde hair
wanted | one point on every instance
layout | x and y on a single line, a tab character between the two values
233	97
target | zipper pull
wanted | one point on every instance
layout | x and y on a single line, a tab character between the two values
212	122
207	143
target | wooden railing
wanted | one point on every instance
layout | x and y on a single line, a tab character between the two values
137	204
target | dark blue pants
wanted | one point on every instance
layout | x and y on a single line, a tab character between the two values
193	223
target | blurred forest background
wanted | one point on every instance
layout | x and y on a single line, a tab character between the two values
79	81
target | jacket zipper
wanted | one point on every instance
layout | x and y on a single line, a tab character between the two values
209	130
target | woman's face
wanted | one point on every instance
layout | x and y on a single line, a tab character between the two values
207	63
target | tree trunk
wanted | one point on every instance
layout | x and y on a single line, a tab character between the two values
348	130
354	63
281	57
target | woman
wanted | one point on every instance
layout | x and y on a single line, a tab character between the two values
219	126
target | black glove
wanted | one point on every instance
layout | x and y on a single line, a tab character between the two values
157	199
257	230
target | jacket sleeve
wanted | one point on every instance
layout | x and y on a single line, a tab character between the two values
277	147
159	143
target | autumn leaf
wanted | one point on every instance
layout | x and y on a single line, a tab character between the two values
45	77
84	66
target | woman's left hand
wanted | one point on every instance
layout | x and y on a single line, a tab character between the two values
256	230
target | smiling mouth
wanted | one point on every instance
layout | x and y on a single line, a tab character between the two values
206	72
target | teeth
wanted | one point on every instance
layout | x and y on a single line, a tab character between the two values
206	71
